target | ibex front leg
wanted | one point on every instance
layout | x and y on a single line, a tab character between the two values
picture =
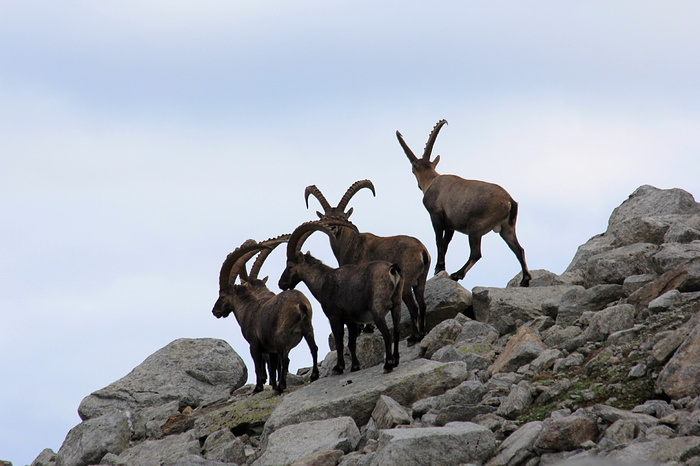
443	236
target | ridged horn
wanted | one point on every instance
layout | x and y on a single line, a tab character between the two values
318	195
303	231
354	188
431	139
234	264
407	150
271	244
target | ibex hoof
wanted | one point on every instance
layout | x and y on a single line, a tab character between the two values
258	389
388	368
455	276
337	370
314	376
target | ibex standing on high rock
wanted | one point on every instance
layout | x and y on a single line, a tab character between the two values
469	206
352	247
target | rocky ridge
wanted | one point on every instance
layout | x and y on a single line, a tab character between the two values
598	365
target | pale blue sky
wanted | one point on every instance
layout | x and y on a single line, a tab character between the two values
142	141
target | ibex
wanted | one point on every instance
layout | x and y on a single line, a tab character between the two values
271	323
352	247
469	206
349	295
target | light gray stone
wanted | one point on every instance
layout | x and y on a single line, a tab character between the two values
519	399
169	449
442	334
681	375
355	394
567	433
545	360
225	447
662	451
90	440
523	348
388	413
610	320
46	458
191	371
507	309
455	443
293	442
468	393
518	447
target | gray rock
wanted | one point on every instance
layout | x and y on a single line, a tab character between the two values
468	393
169	449
519	399
613	266
559	336
610	320
663	451
672	255
355	394
455	443
444	299
635	282
388	413
567	433
477	333
523	348
442	334
191	371
518	447
665	302
609	415
225	447
293	442
326	457
681	375
507	309
545	360
668	343
649	201
91	440
46	458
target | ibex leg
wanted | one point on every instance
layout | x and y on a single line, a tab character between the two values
474	256
338	330
508	235
443	236
311	341
353	331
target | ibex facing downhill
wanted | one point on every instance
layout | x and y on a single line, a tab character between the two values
352	247
469	206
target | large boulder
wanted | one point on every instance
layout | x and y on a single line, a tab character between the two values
293	442
89	441
681	375
191	371
355	394
455	443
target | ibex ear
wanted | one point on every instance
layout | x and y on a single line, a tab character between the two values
435	162
320	215
349	213
264	280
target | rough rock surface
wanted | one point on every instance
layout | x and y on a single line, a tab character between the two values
598	365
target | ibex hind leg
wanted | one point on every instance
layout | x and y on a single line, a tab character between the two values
508	235
474	256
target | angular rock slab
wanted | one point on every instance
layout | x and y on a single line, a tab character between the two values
681	375
293	442
191	371
455	443
355	394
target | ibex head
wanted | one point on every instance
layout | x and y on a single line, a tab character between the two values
424	165
338	212
292	274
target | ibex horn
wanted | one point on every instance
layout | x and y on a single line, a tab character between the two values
303	231
355	187
271	244
318	195
234	264
431	139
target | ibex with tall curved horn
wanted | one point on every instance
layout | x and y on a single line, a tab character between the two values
350	295
272	323
353	247
469	206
